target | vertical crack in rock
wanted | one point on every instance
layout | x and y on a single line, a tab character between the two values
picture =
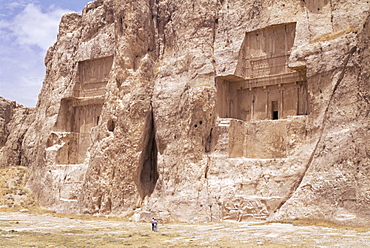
209	144
323	125
148	173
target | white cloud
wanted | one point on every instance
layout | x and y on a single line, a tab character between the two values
33	27
25	35
22	72
14	5
9	8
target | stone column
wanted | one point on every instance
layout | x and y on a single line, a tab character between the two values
267	103
281	107
298	97
252	103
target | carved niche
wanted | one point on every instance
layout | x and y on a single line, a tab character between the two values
264	87
80	112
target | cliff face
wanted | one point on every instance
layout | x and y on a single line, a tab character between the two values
6	114
15	120
339	165
206	110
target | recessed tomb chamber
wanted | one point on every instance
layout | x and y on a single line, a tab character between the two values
80	112
262	89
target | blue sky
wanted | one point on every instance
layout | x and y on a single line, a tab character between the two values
27	29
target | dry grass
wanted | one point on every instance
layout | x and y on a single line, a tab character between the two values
43	228
24	230
13	193
324	223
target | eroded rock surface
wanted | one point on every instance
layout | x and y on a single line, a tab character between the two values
15	120
206	110
6	114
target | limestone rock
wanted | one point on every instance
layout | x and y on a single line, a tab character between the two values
15	120
335	185
206	110
6	114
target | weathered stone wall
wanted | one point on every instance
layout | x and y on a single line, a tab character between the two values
152	136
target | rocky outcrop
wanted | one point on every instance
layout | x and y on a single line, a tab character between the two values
15	120
6	114
335	185
206	110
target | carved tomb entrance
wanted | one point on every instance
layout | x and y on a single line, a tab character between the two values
81	112
263	88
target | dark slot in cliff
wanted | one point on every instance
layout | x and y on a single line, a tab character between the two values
149	173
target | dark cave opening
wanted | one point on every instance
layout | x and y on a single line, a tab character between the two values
149	172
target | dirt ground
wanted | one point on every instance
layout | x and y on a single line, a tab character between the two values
19	229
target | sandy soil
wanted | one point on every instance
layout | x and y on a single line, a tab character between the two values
26	230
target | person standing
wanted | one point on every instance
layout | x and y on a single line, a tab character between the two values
154	225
